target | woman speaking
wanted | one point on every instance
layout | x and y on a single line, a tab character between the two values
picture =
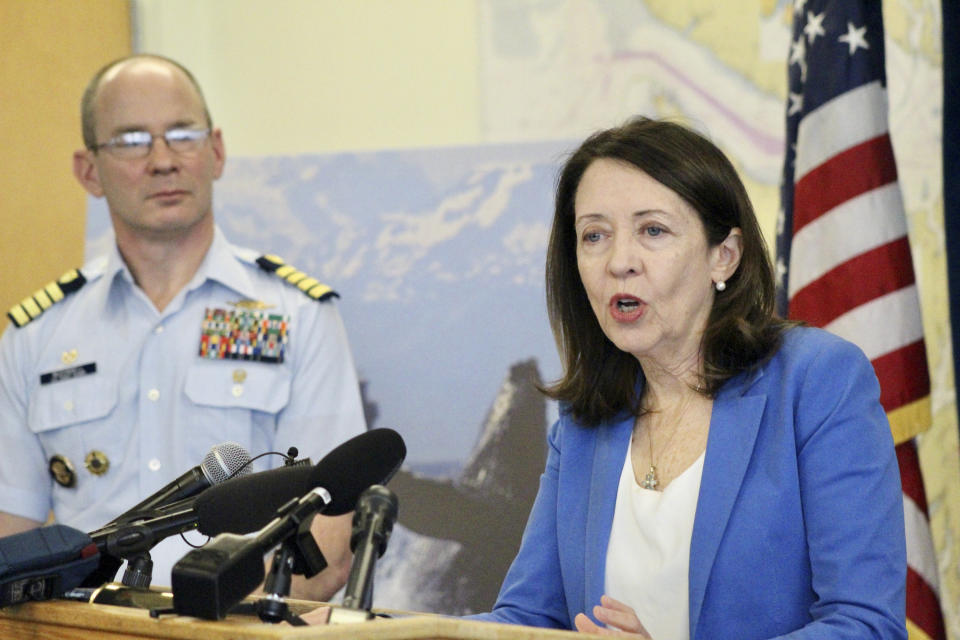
716	471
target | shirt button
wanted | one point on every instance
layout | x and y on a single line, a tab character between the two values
68	405
237	390
154	465
153	394
158	329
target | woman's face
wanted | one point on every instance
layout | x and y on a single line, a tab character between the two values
644	261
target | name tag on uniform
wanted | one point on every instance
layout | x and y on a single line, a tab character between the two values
68	374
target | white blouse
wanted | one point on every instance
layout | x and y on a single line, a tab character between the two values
648	557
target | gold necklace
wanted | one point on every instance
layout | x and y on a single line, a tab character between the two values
651	481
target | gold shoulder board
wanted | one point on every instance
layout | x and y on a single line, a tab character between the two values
31	307
310	286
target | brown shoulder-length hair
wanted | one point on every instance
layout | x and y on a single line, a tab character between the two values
600	381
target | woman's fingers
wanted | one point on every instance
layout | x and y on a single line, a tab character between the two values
617	615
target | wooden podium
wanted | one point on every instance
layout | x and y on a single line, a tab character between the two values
67	620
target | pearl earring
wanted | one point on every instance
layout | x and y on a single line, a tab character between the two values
720	285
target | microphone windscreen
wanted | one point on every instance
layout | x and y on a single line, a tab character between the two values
225	460
367	459
246	504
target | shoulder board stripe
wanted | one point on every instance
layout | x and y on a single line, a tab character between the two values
295	277
32	306
54	291
310	286
18	316
285	271
307	283
43	299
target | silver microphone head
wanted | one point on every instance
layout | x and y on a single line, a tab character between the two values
223	460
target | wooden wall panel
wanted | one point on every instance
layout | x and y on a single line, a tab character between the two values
48	51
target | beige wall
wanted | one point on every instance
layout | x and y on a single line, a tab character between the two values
48	50
292	76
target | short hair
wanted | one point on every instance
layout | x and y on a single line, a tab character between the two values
599	380
87	117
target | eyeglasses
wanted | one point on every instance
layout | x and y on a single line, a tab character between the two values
133	145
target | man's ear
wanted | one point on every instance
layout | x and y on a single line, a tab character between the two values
219	152
727	254
86	173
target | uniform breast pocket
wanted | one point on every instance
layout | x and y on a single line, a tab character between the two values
236	402
252	386
68	415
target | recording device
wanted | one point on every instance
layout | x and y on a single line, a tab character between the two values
372	523
43	563
221	463
207	582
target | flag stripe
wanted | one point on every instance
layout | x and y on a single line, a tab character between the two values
882	325
828	297
909	463
921	557
923	606
903	376
920	554
829	129
843	233
848	174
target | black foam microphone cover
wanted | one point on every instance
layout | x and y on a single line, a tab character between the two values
244	505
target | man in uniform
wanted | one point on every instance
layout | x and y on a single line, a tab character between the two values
123	374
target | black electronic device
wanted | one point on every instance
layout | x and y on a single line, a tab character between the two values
43	563
372	523
207	582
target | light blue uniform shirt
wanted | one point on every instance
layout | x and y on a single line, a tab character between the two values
154	407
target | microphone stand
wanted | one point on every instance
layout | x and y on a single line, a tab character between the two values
139	571
372	523
297	554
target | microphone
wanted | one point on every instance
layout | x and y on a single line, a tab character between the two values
245	504
372	457
372	523
220	463
208	581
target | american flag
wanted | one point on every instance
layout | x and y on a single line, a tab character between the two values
843	257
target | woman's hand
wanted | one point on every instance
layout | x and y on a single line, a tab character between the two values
618	617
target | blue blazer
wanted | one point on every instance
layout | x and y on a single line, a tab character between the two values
799	524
